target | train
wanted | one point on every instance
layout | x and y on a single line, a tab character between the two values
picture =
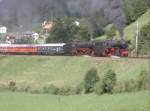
96	48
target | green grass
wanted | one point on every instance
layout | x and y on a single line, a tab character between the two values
130	30
118	102
38	71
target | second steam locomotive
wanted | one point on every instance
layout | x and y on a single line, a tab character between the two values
99	49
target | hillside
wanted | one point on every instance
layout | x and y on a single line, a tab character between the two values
37	71
131	29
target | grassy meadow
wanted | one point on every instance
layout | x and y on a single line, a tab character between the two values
38	71
117	102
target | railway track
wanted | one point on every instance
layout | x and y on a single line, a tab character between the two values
139	57
115	57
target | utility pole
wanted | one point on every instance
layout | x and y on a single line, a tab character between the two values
137	37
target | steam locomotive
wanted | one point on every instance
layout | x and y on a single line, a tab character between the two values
99	49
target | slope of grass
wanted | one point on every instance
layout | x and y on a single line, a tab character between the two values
118	102
130	30
43	70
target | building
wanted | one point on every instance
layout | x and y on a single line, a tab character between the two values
3	30
47	26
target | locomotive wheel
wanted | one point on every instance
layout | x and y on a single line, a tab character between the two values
117	52
106	52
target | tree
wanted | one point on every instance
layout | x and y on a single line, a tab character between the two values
63	31
144	40
134	9
90	79
109	81
148	3
82	34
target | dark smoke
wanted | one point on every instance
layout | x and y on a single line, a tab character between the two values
25	13
111	9
114	13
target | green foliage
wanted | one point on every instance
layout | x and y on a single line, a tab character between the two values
50	89
134	9
42	70
66	30
12	85
82	34
35	91
138	84
144	40
148	3
67	90
143	80
27	89
111	32
63	30
80	88
90	79
107	84
99	88
109	81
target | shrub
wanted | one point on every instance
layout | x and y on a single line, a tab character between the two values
12	85
143	80
50	89
80	88
130	86
109	81
27	89
66	90
90	79
35	91
99	88
119	87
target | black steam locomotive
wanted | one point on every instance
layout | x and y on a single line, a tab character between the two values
99	49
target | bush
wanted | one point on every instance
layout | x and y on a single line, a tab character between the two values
99	88
143	80
27	89
106	85
50	89
80	88
12	85
130	86
35	91
140	83
90	79
119	87
66	90
109	81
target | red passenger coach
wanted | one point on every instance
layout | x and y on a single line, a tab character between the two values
18	49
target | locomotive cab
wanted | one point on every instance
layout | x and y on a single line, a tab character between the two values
110	48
